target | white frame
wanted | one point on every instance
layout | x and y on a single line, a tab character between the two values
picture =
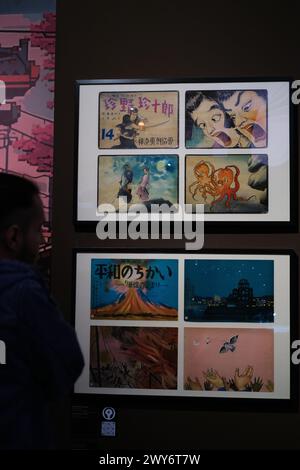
278	149
281	325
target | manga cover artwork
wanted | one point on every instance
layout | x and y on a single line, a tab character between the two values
133	120
229	359
124	289
226	119
229	291
141	179
133	357
227	184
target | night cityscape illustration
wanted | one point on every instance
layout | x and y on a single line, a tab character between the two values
229	290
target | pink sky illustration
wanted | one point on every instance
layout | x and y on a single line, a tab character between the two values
254	347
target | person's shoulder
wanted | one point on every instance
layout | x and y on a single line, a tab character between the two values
35	301
14	273
34	286
33	279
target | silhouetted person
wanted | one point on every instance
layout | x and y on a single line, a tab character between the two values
43	357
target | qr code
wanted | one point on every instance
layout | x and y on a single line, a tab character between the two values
108	428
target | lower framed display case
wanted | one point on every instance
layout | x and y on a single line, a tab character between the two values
198	328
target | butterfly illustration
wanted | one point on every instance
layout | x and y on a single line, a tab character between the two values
229	345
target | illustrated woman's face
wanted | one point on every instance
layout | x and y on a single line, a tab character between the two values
211	119
249	113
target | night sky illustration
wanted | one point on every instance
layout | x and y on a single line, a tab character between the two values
219	277
161	167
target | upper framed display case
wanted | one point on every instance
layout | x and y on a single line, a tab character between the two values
226	144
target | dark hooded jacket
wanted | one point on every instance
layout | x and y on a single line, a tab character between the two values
43	357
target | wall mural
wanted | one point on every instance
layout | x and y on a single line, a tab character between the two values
27	67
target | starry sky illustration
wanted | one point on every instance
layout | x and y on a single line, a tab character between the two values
219	277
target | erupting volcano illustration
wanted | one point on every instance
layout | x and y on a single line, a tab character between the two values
134	303
131	290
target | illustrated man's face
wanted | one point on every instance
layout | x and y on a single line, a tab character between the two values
133	116
249	113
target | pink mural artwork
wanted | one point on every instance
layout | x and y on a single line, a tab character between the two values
43	36
37	149
229	359
27	68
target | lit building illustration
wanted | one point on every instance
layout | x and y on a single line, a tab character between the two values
242	295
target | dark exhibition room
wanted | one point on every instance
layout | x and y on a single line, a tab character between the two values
149	232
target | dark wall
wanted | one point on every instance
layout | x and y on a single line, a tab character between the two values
98	39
